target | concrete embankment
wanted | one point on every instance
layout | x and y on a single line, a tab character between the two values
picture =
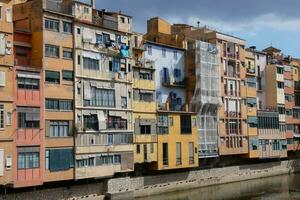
130	187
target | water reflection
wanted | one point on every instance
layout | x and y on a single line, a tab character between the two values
279	187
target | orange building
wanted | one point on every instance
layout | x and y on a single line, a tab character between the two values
6	93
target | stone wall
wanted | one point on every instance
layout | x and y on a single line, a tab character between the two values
130	187
86	191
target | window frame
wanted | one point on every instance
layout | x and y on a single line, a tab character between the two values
53	21
71	27
52	82
49	48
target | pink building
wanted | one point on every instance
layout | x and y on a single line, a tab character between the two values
29	134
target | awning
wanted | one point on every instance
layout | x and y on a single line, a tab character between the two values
91	55
28	75
296	135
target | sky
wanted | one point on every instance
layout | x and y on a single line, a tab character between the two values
261	22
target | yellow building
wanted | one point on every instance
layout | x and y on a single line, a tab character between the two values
143	105
251	99
177	140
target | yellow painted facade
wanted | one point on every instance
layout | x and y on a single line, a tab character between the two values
145	144
175	136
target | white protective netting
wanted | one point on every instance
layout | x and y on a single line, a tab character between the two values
207	97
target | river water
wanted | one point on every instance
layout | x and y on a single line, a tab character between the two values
279	187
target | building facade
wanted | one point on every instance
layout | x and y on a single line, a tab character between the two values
103	92
6	93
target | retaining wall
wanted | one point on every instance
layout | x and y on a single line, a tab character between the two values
130	187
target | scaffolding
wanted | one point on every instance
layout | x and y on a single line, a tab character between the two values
207	101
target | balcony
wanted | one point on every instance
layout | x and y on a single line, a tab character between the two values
168	83
232	93
22	61
64	7
232	74
232	114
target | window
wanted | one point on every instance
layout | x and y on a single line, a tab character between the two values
106	38
28	117
0	12
108	160
149	50
185	124
2	79
147	97
151	148
145	129
28	158
86	10
164	52
59	159
52	77
114	65
59	128
59	105
67	53
252	122
21	51
191	153
289	97
28	83
280	85
89	63
281	110
52	25
78	31
251	82
177	73
165	154
99	39
117	123
123	20
138	149
9	119
163	124
87	162
178	153
175	56
1	116
51	51
251	102
124	102
91	122
145	75
171	121
68	75
78	60
101	98
67	27
280	70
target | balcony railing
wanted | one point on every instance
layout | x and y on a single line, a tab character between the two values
232	114
232	93
232	74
